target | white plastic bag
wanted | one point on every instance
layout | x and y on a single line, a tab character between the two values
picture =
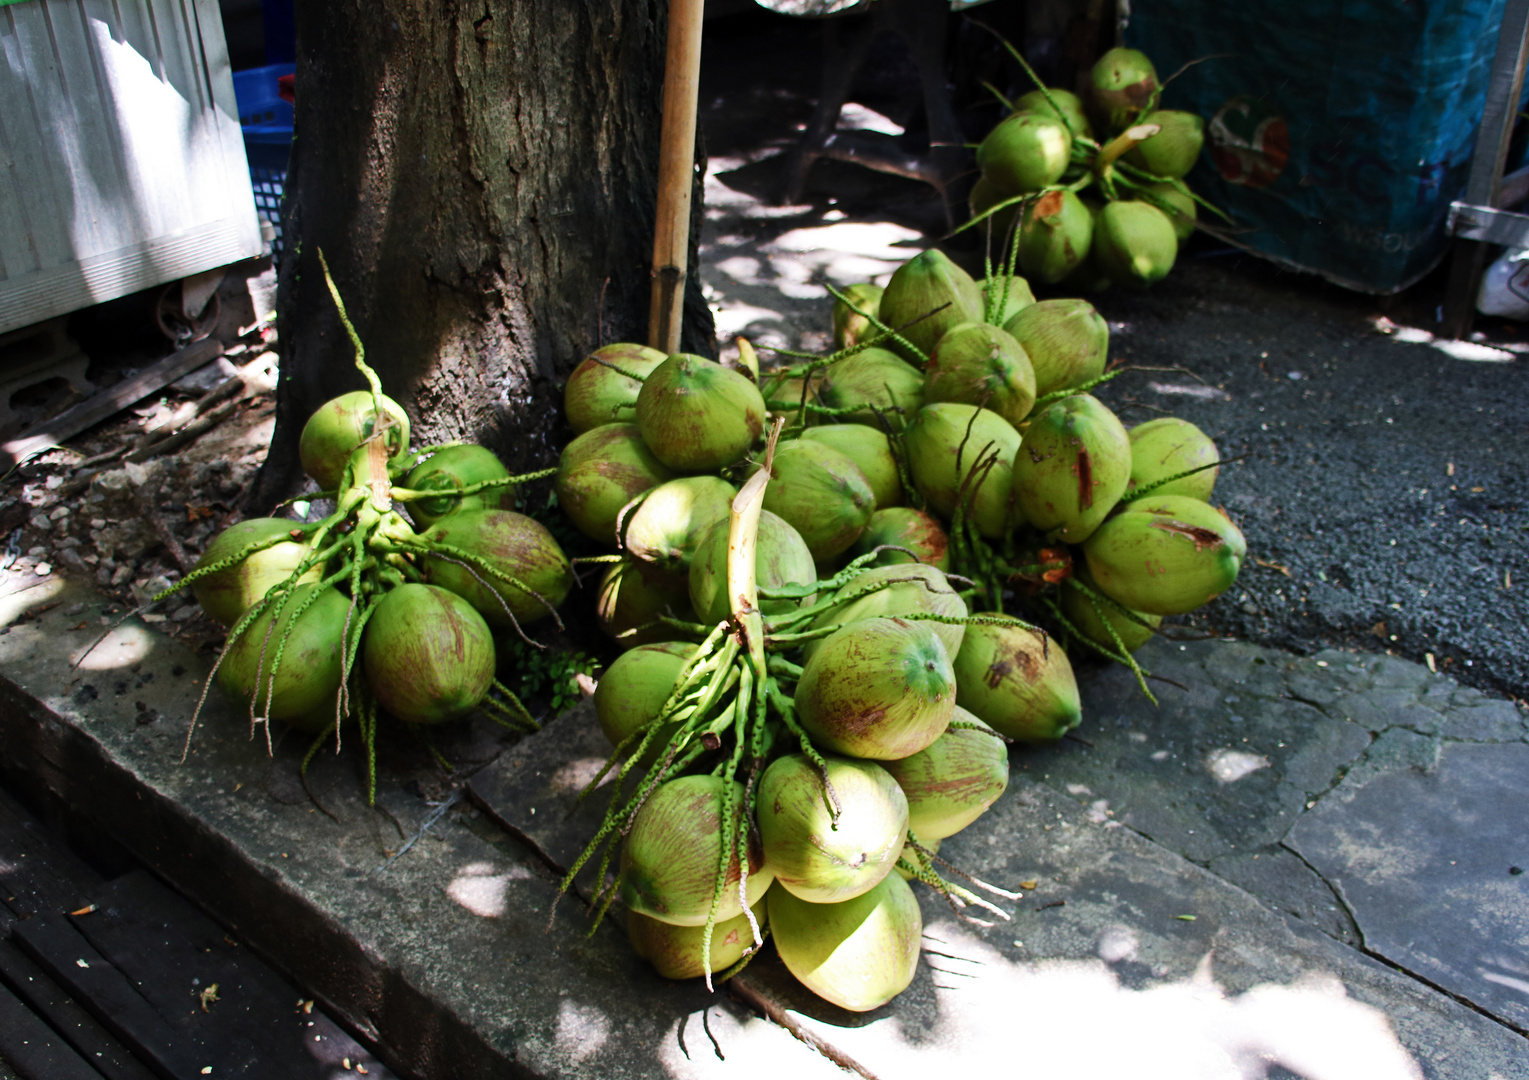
1505	287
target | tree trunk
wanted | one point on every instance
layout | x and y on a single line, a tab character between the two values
481	179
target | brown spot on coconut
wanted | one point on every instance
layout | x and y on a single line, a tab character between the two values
597	394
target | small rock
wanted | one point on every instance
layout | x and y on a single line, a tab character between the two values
186	613
36	551
43	569
103	575
58	513
69	542
54	482
98	523
73	560
40	522
153	617
121	574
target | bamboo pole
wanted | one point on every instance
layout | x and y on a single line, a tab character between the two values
676	170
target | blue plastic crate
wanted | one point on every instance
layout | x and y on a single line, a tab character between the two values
266	121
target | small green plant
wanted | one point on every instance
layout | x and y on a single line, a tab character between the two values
551	673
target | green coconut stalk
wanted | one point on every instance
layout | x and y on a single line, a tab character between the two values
600	472
1135	243
228	593
1017	681
822	494
826	853
878	688
850	326
1122	84
781	558
871	450
903	527
935	292
858	954
1055	234
696	415
1067	342
669	860
1179	207
632	692
893	592
871	381
948	446
676	952
1062	104
952	781
429	657
665	527
450	470
1072	468
978	364
910	857
308	622
1103	622
1173	151
1003	297
506	565
633	596
1025	152
1164	449
602	389
1166	555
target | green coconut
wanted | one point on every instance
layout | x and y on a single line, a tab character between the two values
1173	151
1069	104
696	415
633	594
1066	340
670	858
983	197
954	779
676	952
878	688
820	855
934	291
781	557
1089	277
1072	468
1166	554
1025	152
1121	85
1005	300
1018	682
896	591
869	448
1095	618
632	692
1167	447
822	494
429	657
871	380
1135	243
858	954
850	327
308	676
342	424
904	527
448	471
231	592
600	472
666	526
1179	208
598	394
1054	236
514	546
944	432
978	364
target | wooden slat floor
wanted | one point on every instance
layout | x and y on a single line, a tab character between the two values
121	978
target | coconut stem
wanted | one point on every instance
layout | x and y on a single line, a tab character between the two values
1121	145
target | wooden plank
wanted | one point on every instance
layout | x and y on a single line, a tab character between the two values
34	1050
37	874
43	996
109	402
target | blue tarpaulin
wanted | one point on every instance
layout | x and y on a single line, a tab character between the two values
1336	132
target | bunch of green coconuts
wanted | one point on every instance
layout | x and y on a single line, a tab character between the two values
388	606
1094	186
810	571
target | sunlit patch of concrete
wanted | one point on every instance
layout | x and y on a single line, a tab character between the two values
575	775
716	1044
123	647
581	1029
1228	765
478	889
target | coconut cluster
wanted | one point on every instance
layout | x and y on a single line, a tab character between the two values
1093	186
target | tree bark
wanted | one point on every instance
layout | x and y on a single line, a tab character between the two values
481	178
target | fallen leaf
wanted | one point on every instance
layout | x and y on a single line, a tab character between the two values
1274	566
1027	884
